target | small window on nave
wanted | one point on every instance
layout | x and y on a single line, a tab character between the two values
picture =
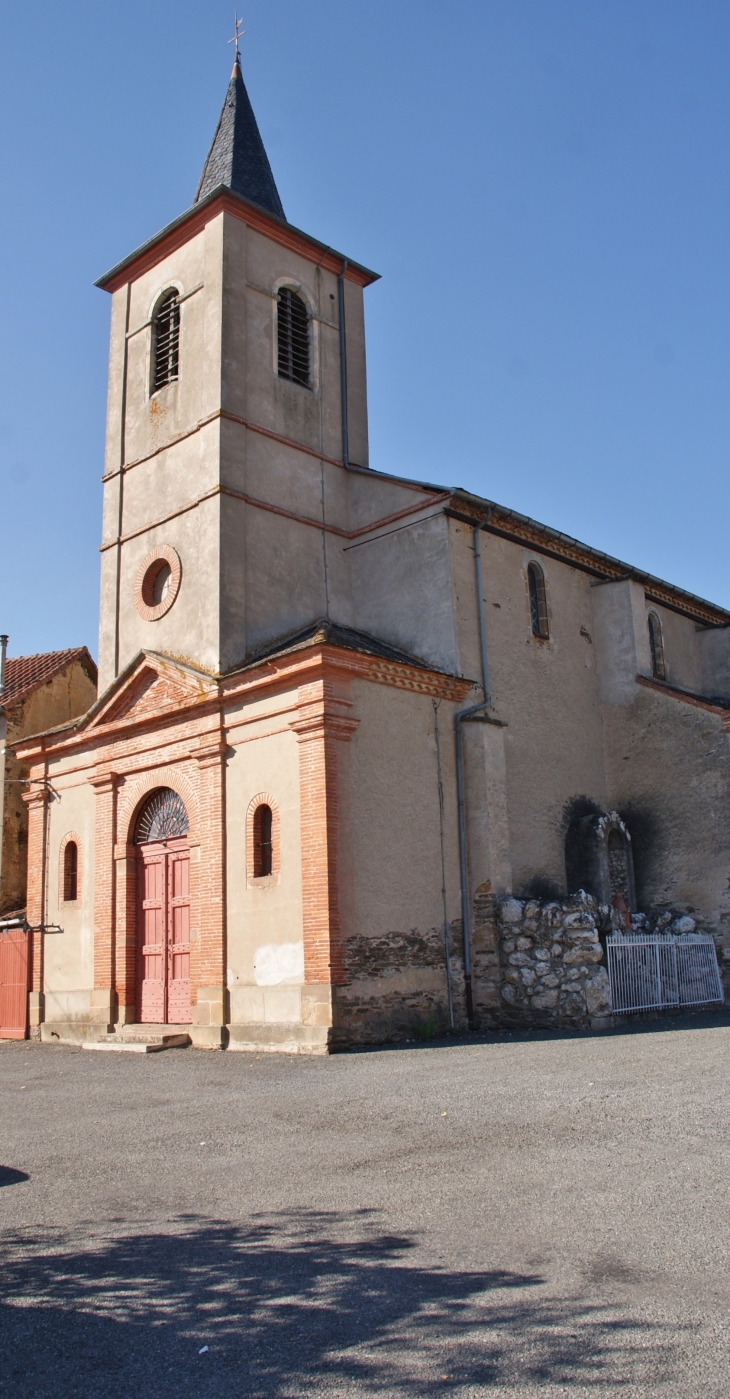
71	872
293	336
166	341
658	664
263	846
538	601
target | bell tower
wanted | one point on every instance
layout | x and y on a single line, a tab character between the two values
237	396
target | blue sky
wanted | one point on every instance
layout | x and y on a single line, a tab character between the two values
543	185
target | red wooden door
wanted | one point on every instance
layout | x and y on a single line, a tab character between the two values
178	953
14	970
163	935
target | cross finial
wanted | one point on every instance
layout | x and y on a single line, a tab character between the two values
235	38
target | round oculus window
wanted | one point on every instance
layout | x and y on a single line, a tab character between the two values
158	583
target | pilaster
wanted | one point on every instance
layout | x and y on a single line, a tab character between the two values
37	802
324	727
103	996
208	876
125	878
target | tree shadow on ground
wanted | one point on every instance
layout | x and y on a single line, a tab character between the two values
9	1175
288	1305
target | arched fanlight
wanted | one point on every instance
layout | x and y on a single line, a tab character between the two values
163	817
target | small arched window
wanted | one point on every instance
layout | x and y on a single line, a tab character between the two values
71	872
166	341
293	333
658	665
263	847
538	600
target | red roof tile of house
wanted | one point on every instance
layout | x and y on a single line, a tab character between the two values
24	674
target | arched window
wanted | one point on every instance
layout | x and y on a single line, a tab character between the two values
658	666
166	341
293	333
263	847
71	872
163	817
538	600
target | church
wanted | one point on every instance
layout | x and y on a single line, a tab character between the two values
357	737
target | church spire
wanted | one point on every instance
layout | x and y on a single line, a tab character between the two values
237	158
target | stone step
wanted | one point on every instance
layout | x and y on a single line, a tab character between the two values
139	1039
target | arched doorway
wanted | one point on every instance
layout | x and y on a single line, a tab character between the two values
163	910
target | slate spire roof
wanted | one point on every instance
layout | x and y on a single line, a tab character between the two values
237	158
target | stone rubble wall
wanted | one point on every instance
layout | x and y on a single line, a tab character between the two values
550	961
534	963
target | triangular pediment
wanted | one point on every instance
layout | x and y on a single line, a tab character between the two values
151	686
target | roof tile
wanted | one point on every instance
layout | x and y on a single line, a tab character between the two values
23	674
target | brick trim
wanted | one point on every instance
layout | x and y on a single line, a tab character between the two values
323	727
254	881
105	813
163	554
134	793
66	840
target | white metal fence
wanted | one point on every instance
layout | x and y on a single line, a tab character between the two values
654	973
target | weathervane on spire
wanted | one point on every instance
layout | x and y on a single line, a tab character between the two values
237	35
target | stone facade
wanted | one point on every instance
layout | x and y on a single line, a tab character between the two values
550	962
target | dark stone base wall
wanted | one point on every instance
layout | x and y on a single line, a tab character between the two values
534	963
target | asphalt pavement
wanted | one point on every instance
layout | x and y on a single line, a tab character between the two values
513	1217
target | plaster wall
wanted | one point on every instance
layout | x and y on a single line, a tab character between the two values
402	590
171	459
264	917
713	646
190	630
682	659
668	776
546	694
395	955
252	575
69	956
622	639
255	267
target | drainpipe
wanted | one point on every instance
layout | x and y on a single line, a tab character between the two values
461	718
3	656
343	364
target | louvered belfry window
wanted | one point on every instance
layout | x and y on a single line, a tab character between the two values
293	328
166	337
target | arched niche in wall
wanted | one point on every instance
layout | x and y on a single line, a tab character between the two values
599	858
